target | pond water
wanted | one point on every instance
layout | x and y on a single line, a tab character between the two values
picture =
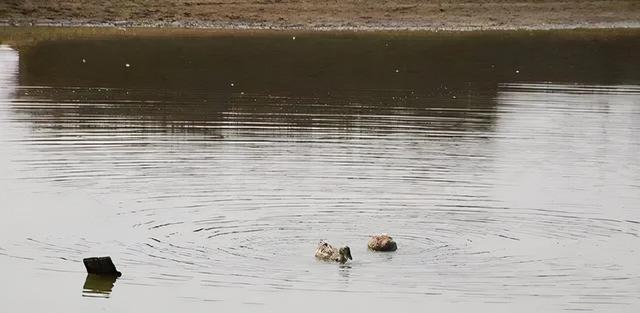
506	166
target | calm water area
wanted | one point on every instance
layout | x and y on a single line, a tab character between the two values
506	165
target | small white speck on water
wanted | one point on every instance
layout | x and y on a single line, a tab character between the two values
397	71
294	37
242	92
454	97
84	61
517	71
127	65
232	84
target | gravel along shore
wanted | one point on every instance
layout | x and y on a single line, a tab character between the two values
326	15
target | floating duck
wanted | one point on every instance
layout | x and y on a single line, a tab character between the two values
382	242
327	252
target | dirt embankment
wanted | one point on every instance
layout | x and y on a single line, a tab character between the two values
326	14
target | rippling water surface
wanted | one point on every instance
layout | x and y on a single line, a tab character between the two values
505	166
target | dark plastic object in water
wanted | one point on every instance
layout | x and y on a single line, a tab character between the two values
101	266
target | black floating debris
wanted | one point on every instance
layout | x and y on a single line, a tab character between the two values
101	266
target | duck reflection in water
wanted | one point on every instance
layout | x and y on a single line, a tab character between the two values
345	271
98	286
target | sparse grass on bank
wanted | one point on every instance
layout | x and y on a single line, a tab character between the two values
325	15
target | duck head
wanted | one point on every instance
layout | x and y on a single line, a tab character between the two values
345	252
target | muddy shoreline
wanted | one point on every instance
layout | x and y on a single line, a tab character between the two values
358	15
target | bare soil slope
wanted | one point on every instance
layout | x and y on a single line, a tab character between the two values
326	14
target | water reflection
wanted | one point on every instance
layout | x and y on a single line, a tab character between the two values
9	62
318	81
98	286
345	271
9	65
590	132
